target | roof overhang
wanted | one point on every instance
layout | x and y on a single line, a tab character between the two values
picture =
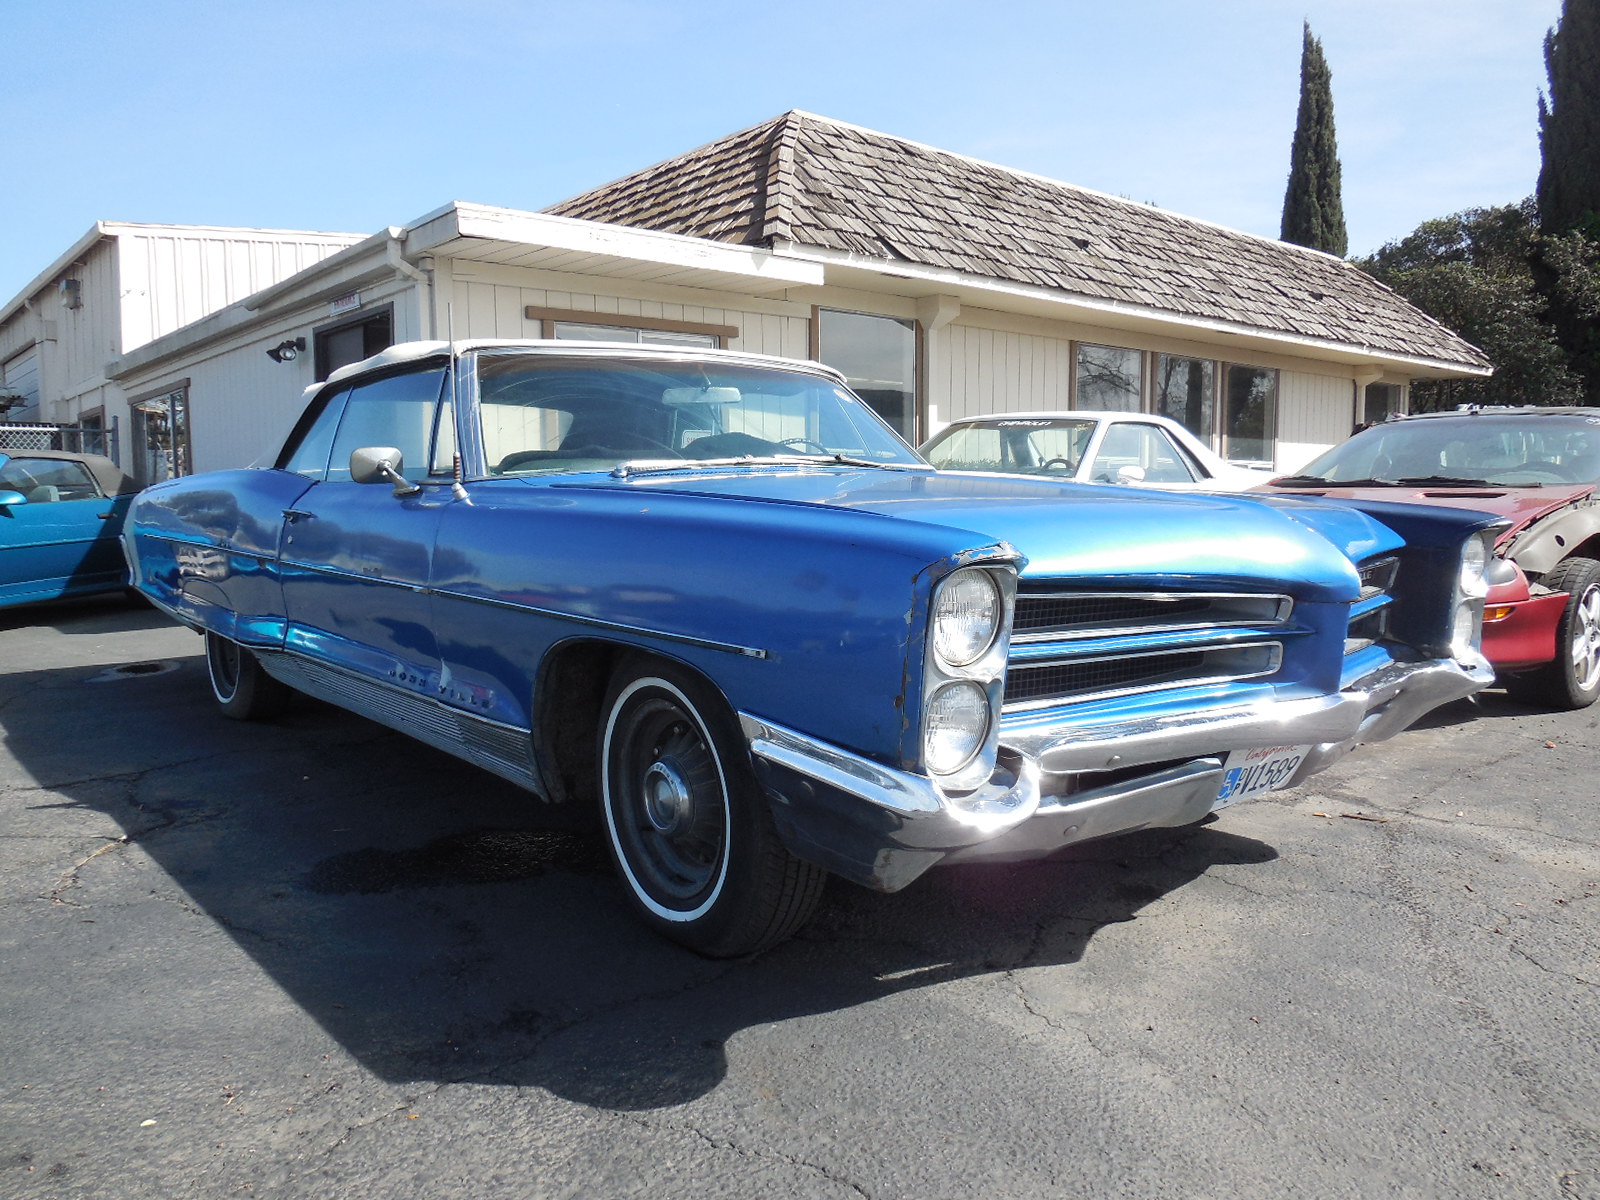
868	274
77	250
513	238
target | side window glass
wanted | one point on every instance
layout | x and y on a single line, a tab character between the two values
1165	461
395	411
309	445
47	480
444	439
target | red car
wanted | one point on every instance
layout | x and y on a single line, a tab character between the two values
1536	467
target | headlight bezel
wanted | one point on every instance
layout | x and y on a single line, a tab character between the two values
984	593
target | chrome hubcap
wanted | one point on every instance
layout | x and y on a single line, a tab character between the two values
668	798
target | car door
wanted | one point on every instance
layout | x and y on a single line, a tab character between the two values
355	558
62	538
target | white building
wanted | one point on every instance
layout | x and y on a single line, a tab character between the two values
117	288
942	286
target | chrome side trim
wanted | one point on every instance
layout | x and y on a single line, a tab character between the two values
506	750
682	639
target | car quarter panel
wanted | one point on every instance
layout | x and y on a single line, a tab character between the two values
205	548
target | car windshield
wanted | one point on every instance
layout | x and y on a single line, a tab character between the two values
1508	450
1026	445
545	413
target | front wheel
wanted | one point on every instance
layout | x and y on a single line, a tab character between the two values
688	826
1572	680
242	689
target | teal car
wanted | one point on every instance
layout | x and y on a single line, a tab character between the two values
61	525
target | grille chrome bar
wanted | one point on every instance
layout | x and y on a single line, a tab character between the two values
1056	616
1075	680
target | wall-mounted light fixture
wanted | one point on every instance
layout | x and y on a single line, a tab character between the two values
71	293
287	350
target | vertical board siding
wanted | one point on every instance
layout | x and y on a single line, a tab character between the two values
174	277
974	371
1315	412
496	310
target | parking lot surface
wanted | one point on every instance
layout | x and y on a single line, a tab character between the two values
310	958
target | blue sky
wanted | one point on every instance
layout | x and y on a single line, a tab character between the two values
351	115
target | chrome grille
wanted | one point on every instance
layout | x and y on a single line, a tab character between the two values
1072	646
1369	619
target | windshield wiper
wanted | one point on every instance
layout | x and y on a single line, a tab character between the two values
1454	481
1319	481
658	466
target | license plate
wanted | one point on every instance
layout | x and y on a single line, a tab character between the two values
1247	773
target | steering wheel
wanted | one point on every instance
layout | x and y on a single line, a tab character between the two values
1057	464
640	445
800	443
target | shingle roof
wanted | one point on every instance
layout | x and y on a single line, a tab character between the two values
821	183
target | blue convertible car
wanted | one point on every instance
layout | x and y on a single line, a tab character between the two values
60	525
714	596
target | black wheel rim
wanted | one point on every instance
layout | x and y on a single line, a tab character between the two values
668	806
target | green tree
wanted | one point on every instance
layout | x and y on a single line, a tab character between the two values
1313	211
1564	260
1472	271
1569	122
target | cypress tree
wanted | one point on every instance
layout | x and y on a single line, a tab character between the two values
1566	260
1313	212
1569	123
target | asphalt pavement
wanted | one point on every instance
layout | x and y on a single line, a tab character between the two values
310	958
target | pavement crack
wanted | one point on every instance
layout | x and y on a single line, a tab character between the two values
1549	970
724	1144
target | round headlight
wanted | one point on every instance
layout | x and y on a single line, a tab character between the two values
955	727
966	617
1474	565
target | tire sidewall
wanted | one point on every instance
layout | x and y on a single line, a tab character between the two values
620	705
717	922
1587	584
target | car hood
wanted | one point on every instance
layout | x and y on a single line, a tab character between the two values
1066	529
1522	506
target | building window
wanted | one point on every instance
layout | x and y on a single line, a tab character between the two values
1109	379
585	332
1381	401
1184	390
630	330
1249	413
878	358
352	340
161	436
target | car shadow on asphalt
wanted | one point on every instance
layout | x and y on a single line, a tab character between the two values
444	927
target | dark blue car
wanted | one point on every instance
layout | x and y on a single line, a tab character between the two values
61	520
713	596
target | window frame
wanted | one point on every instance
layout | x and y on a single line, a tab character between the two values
548	318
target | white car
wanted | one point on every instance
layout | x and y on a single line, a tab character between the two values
1089	447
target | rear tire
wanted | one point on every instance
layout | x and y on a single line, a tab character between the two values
242	689
1572	680
687	822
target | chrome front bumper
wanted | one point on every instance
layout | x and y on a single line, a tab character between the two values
883	827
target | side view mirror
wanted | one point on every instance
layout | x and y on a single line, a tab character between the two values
382	464
1130	474
9	498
